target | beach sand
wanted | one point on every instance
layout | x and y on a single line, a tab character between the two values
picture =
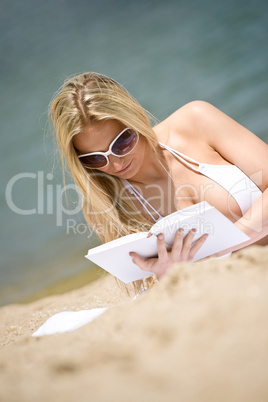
201	334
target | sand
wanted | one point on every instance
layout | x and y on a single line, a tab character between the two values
201	334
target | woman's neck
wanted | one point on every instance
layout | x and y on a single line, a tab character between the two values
154	167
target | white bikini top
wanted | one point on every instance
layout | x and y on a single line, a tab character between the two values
230	177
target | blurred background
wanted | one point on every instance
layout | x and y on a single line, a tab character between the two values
166	53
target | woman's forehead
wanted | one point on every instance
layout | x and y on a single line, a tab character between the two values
97	136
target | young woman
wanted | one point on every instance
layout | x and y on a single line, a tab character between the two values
131	174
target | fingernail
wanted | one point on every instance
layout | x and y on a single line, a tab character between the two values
160	237
133	260
194	230
180	231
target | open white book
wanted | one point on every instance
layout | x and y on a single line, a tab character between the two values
114	255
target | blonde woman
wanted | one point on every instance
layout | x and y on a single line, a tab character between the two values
131	174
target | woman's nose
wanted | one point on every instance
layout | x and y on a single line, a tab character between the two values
116	162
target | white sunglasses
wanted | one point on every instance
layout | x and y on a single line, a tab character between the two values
122	145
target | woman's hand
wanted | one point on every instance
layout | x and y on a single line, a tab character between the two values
182	250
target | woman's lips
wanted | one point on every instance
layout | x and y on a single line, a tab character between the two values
123	170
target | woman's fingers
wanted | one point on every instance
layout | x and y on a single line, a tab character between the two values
161	247
199	243
177	245
140	262
183	250
187	244
157	265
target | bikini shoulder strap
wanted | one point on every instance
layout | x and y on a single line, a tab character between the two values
141	199
183	158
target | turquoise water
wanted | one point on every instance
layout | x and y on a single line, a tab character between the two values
165	53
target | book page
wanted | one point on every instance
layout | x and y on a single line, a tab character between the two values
117	242
116	260
222	232
187	218
114	256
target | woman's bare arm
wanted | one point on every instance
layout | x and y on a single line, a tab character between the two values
242	148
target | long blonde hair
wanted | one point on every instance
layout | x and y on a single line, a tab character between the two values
84	100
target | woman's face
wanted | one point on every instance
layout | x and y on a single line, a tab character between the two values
98	137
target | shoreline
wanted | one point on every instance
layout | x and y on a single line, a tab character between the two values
65	285
61	286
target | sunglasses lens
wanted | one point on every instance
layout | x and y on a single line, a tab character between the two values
125	143
94	161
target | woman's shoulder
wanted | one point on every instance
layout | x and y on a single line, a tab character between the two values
184	122
190	114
